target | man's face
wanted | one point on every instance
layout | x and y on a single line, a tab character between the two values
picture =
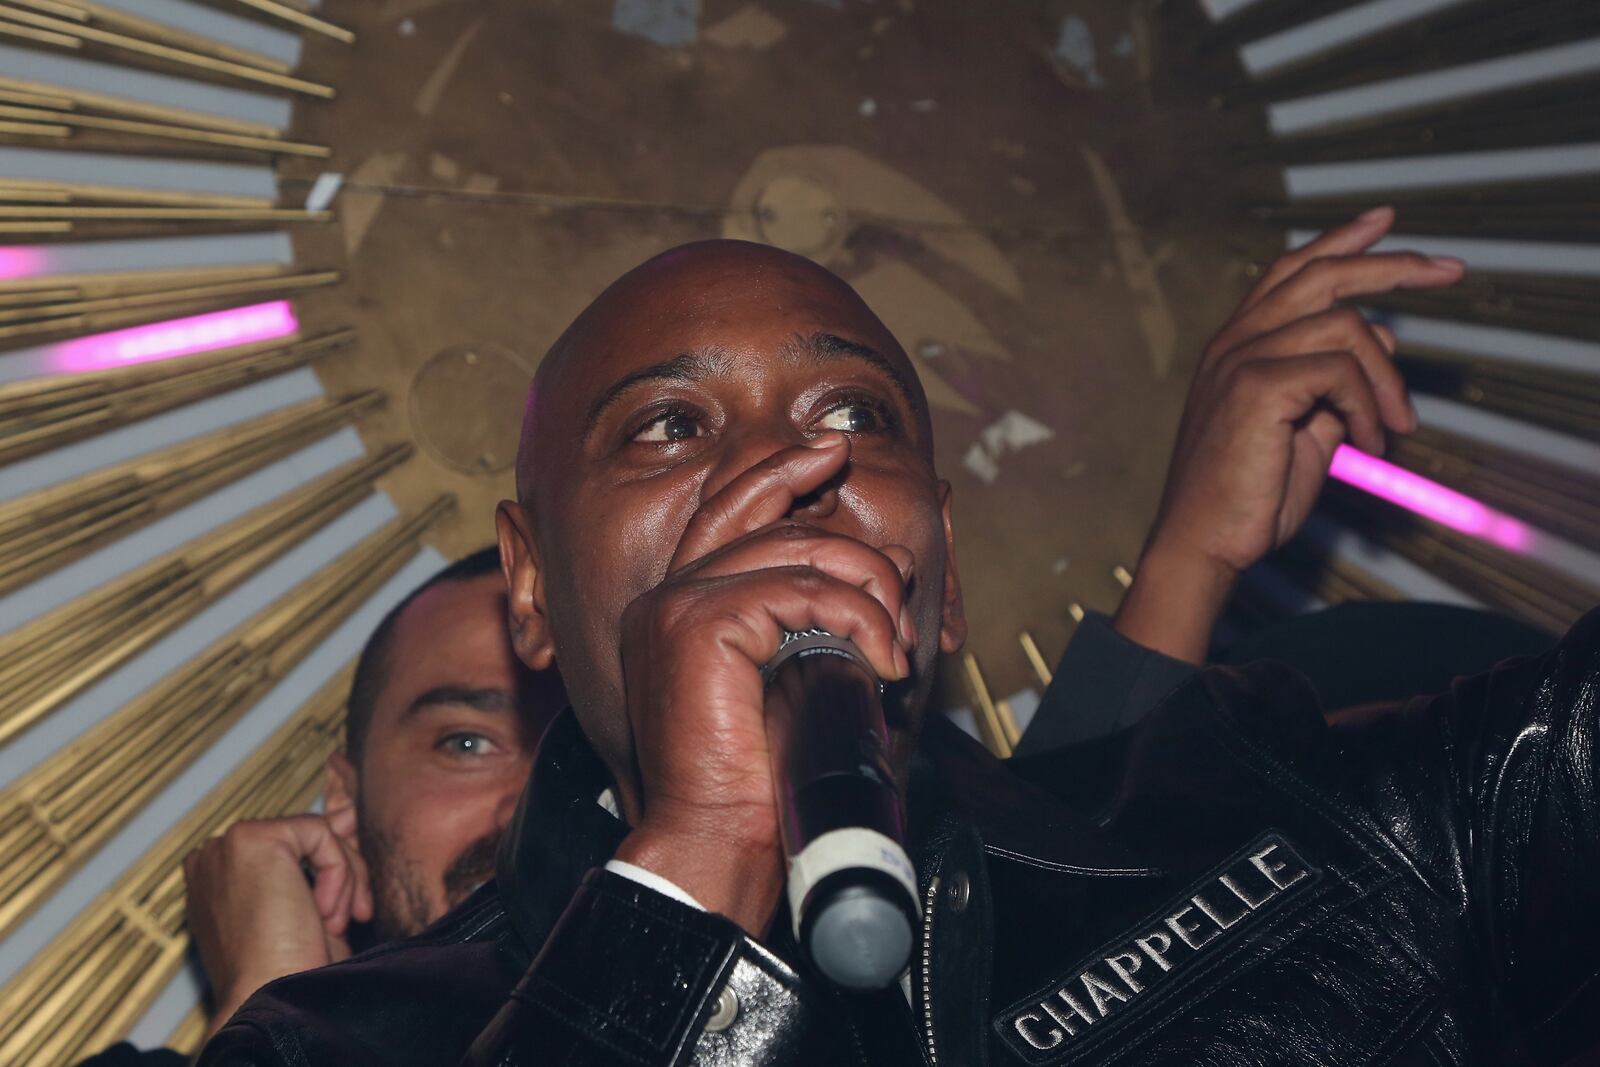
685	374
448	752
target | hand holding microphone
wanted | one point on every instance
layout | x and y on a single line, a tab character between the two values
751	566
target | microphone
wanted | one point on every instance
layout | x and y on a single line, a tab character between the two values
852	890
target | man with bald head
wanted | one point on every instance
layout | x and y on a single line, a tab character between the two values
728	445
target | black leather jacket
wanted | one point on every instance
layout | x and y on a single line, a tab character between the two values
1230	881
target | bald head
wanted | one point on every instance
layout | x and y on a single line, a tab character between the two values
712	364
685	309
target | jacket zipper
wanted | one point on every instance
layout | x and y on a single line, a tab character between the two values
927	969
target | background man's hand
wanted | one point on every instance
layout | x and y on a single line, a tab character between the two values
1293	373
703	808
253	915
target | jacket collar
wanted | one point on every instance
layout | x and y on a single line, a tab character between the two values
955	781
560	831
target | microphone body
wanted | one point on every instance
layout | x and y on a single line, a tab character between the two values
852	890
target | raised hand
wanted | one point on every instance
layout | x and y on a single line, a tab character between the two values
253	915
1293	374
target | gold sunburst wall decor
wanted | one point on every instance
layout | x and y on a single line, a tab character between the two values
272	274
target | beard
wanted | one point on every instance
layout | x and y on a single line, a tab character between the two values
400	905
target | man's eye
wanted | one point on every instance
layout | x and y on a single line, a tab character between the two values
466	744
855	416
669	426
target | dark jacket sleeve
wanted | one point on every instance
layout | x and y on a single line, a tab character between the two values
629	976
1491	792
1521	750
1104	682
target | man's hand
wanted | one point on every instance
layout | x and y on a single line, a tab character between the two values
692	650
1293	374
253	915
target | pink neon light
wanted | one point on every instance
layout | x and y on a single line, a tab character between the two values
1429	499
177	337
20	262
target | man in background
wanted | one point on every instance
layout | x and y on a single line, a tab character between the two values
442	726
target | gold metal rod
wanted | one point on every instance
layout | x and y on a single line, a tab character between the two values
38	296
35	196
55	103
990	725
286	283
59	659
132	195
118	105
52	7
106	283
1036	660
174	55
302	19
173	214
63	989
43	226
160	31
177	133
39	414
35	129
29	33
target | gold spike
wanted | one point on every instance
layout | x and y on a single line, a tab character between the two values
303	19
180	56
40	414
1503	580
165	214
118	105
998	735
177	133
110	17
1036	660
104	313
35	196
54	103
56	656
35	296
51	7
133	195
88	286
58	814
44	531
187	1036
64	989
30	33
35	129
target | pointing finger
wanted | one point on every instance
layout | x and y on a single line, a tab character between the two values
760	496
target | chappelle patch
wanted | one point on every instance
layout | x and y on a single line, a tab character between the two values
1072	1015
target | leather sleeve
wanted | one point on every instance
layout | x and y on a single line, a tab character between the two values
1520	761
1103	682
629	976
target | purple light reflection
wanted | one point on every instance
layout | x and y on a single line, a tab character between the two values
176	337
1429	499
20	262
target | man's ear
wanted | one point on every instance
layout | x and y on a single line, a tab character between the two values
519	562
339	797
953	623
